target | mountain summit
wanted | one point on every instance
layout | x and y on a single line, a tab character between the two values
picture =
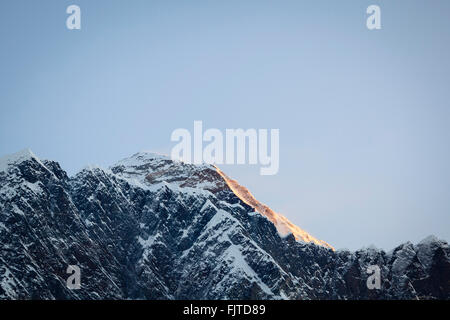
149	168
152	228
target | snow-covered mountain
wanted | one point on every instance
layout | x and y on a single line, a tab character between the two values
152	228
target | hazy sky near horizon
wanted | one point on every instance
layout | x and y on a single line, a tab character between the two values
363	115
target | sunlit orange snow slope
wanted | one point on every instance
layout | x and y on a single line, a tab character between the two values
283	225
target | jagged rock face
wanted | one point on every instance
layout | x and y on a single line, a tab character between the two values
150	228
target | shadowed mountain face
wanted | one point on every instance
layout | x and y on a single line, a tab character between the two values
151	228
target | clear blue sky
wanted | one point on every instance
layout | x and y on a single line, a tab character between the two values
363	115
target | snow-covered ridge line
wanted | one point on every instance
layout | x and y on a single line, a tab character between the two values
137	169
283	225
16	158
19	157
